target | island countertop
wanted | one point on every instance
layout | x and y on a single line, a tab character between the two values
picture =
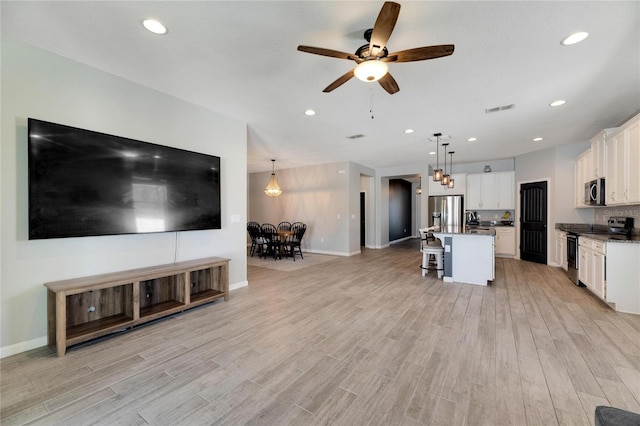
466	230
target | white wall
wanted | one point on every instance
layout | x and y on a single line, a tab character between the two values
42	85
316	195
555	165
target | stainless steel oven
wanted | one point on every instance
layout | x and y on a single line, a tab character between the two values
572	257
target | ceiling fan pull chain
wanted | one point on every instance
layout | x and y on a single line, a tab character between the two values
371	102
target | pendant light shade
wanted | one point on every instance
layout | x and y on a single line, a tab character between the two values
445	176
437	172
451	184
273	189
371	70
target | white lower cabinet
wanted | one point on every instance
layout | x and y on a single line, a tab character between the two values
591	265
561	249
622	287
505	241
599	282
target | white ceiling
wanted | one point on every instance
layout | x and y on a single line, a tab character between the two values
240	58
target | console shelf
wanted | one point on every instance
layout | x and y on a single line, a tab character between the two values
82	309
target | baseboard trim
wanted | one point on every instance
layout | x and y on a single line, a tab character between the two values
23	346
331	253
236	286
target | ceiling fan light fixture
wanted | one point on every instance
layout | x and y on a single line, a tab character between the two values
371	70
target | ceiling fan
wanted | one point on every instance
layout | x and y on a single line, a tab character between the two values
372	58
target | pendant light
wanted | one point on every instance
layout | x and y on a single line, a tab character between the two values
450	185
419	188
445	176
273	189
437	172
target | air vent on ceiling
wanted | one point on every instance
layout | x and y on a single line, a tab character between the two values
499	108
358	136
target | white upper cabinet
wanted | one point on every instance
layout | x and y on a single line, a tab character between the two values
490	191
622	184
582	175
598	156
506	190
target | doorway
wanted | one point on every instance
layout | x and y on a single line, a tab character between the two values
533	222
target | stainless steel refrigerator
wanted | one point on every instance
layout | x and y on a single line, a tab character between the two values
446	211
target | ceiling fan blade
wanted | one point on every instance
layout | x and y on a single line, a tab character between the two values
339	82
420	53
383	27
389	84
328	52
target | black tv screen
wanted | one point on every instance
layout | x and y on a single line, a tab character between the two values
84	183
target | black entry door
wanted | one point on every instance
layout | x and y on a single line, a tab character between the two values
533	222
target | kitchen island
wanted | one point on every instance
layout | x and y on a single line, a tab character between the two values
468	254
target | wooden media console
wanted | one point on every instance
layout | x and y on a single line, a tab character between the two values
82	309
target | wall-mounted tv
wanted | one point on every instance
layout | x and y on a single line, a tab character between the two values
85	183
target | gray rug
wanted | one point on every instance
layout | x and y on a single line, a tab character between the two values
287	264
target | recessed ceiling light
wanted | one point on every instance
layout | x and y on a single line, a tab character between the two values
407	131
472	139
538	139
432	153
574	38
309	112
154	26
558	102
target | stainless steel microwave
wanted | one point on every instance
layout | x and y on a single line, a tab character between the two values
594	194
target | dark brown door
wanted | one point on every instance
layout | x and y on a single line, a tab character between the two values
533	222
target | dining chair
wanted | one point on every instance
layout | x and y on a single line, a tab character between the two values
284	226
298	229
271	243
253	228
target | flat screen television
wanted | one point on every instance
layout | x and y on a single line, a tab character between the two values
85	183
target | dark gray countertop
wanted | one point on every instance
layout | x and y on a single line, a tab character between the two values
597	232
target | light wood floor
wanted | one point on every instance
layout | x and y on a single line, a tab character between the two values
358	340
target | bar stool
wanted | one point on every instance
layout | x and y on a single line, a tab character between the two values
431	248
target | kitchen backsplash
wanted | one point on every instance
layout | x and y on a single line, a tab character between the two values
602	214
487	215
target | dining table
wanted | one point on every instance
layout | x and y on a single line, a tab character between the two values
282	235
